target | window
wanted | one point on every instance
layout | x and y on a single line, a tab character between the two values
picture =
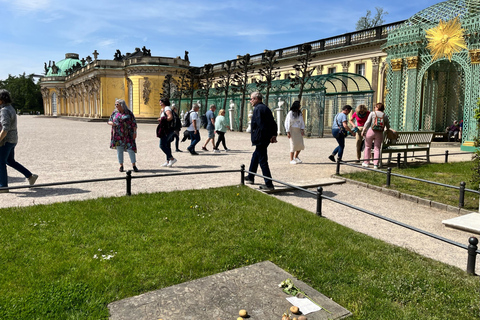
360	69
332	70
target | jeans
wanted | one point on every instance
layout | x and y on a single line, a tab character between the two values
7	156
131	153
260	157
340	137
165	144
195	139
177	140
221	138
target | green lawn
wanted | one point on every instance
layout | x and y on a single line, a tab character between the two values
447	173
53	268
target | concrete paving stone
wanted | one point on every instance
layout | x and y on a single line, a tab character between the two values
220	296
469	222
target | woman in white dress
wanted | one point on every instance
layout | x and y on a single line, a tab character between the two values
295	128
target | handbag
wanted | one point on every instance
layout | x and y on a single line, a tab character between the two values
392	134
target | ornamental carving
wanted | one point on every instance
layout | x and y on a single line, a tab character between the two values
146	90
396	64
375	61
412	62
475	56
345	65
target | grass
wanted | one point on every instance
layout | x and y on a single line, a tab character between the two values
447	173
52	264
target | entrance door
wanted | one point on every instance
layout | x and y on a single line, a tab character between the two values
443	96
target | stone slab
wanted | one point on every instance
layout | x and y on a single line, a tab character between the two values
220	296
469	222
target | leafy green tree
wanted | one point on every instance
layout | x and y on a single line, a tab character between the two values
367	21
26	94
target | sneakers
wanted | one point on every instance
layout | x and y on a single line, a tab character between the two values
165	164
365	164
194	153
267	188
228	150
120	169
204	149
297	160
178	150
293	162
216	151
32	179
375	167
331	157
248	181
171	162
135	168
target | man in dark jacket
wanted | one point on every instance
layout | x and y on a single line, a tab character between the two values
263	132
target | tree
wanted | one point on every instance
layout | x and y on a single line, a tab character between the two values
303	73
26	94
168	87
368	22
268	72
206	81
241	82
183	88
226	79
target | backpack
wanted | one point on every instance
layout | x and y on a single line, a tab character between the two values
378	123
175	124
186	119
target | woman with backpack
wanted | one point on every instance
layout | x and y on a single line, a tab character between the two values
373	132
167	131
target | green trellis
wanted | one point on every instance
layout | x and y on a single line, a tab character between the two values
429	95
322	98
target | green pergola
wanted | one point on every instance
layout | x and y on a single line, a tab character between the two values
323	96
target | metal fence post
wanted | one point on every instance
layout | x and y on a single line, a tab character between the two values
389	175
319	201
446	156
242	172
129	182
338	167
398	160
461	200
472	255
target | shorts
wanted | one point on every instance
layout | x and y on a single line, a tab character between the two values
211	133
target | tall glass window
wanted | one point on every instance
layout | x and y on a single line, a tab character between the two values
360	69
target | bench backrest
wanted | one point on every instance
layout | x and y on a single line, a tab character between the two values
409	138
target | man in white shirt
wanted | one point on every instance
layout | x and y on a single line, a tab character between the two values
194	129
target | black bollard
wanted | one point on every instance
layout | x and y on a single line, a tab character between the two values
129	182
242	172
389	176
319	201
472	255
398	160
461	199
446	156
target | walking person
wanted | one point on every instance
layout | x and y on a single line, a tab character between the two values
210	116
221	129
194	129
295	128
167	123
360	116
263	132
124	133
8	141
177	129
339	131
373	132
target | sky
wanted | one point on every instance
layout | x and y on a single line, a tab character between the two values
38	31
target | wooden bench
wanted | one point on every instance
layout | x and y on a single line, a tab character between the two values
407	141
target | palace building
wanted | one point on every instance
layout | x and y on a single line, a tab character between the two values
425	69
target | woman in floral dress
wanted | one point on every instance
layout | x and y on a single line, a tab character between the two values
124	133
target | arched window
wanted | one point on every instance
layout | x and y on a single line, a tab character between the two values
54	104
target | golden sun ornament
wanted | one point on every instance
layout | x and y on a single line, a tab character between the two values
446	39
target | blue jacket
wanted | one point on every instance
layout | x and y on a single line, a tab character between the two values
263	125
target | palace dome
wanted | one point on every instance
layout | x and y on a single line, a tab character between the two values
446	10
70	60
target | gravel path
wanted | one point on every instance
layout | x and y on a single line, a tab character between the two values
62	149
